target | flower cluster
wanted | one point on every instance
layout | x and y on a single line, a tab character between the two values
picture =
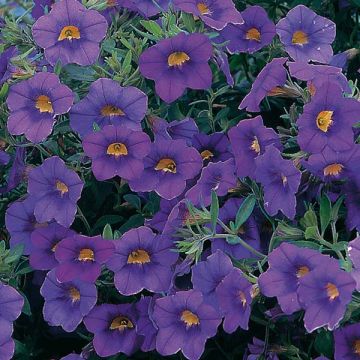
158	194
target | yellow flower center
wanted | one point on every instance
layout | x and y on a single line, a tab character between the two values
178	58
69	32
299	38
302	271
332	291
253	34
86	255
60	186
255	146
111	3
242	298
189	318
206	154
44	104
166	165
324	120
111	110
356	347
138	257
203	8
117	149
277	91
74	294
284	179
121	323
53	249
333	169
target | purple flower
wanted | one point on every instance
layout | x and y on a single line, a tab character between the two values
57	189
7	347
178	63
347	342
330	165
306	35
44	241
35	103
219	177
269	79
108	103
248	232
214	13
39	7
287	265
11	303
4	158
72	357
256	32
248	140
159	220
221	60
167	167
324	294
20	222
117	151
66	304
185	323
257	348
317	75
6	68
70	33
184	129
281	180
328	120
114	328
145	325
234	297
80	257
150	8
213	147
207	275
142	260
354	255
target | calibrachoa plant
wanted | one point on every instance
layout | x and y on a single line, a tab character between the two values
179	179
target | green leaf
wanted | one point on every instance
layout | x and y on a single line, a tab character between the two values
244	211
152	27
324	343
26	308
214	209
336	208
133	200
325	212
107	219
107	233
309	219
4	90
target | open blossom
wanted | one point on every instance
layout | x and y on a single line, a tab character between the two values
56	189
108	103
327	120
167	167
324	294
66	304
219	177
266	83
70	33
208	274
34	105
114	328
117	151
185	322
148	8
248	140
214	13
234	298
281	180
80	257
178	63
142	260
306	35
287	265
347	342
256	32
